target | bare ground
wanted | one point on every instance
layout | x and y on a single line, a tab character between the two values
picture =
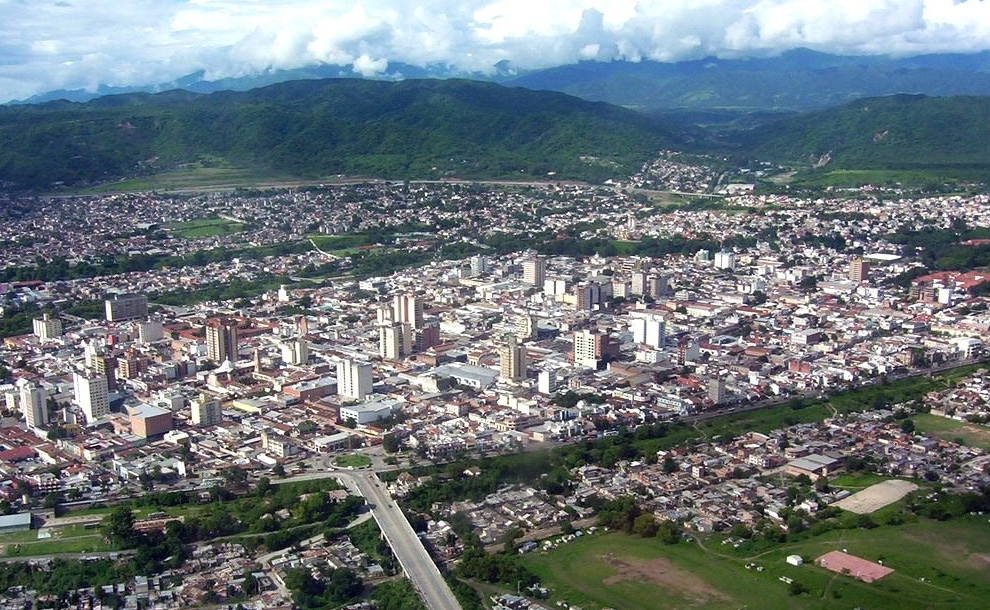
663	573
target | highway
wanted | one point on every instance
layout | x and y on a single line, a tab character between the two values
406	545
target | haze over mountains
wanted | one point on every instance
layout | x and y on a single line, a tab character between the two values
802	107
795	80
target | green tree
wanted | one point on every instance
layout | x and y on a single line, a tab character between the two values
118	527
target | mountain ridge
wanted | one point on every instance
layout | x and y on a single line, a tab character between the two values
412	128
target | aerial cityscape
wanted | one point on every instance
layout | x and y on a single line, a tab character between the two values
397	312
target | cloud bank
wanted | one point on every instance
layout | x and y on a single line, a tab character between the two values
46	44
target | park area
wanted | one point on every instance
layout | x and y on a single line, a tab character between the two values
937	565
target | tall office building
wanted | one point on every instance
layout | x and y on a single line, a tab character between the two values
408	310
353	379
91	394
46	327
859	270
206	411
221	340
394	340
512	359
33	405
535	270
126	307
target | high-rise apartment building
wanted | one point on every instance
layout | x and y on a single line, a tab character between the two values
394	340
221	340
205	411
353	379
592	347
91	394
46	327
648	329
408	310
859	270
546	382
535	270
639	285
512	359
33	404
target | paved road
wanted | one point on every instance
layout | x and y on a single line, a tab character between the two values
408	549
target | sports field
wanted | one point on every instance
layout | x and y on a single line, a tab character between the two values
876	496
630	573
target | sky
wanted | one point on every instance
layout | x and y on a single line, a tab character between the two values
79	44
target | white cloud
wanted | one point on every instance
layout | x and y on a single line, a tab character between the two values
46	44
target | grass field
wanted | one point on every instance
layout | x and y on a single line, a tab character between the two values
191	177
854	481
628	573
911	178
352	461
340	244
205	227
971	435
70	539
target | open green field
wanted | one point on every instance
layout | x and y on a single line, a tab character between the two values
342	244
855	481
205	227
92	543
191	177
352	461
629	573
971	435
70	539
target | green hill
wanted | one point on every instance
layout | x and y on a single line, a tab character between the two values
900	132
419	128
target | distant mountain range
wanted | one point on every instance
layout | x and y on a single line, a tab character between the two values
197	82
317	128
794	81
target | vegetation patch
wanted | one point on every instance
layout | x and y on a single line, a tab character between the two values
352	461
205	227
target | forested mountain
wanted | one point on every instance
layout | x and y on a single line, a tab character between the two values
315	128
894	132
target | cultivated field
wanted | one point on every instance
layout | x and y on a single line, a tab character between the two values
876	496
